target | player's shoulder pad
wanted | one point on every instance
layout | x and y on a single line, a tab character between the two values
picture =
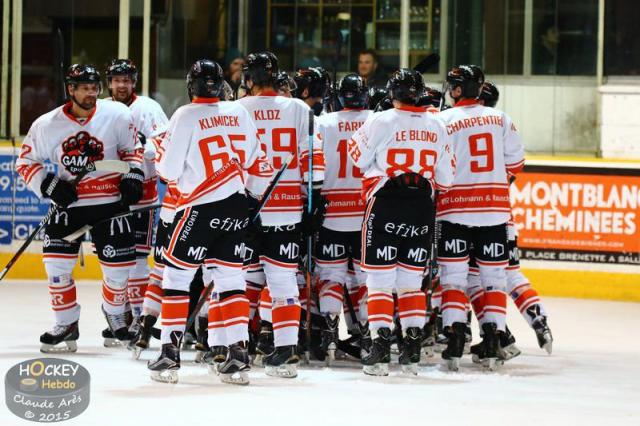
299	102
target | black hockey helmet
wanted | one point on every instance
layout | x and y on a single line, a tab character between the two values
261	68
122	67
284	82
312	79
80	73
376	94
405	85
429	97
385	104
468	77
205	79
353	92
489	94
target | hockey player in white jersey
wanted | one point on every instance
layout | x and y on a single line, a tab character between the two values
339	237
405	155
82	131
209	147
311	85
283	127
150	121
475	211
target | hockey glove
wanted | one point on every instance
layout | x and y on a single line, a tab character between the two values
131	186
255	227
60	191
312	222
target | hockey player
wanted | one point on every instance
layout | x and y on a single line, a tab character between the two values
339	237
519	288
283	128
208	145
475	212
405	156
150	121
311	87
284	84
80	132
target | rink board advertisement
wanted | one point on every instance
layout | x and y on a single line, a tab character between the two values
578	214
20	210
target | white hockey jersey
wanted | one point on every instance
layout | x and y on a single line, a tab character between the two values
283	126
207	146
488	150
342	184
402	140
57	136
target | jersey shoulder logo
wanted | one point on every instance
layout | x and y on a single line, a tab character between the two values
79	150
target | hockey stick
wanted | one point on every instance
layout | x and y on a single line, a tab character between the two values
267	193
114	166
428	62
85	228
310	237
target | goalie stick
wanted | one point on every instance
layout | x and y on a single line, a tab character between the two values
113	166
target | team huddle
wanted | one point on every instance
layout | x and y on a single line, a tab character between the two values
285	210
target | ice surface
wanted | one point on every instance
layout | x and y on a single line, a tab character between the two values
592	378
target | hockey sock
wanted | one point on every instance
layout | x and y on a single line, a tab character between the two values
453	306
234	310
412	308
265	305
495	309
380	306
331	295
286	320
217	336
528	302
62	289
175	308
253	295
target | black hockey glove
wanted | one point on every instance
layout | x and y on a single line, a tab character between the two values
60	191
131	186
255	227
312	222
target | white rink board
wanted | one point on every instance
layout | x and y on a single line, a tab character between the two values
582	383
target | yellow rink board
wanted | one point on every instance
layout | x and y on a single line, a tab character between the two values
548	282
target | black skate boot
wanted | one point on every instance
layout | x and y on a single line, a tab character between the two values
282	362
214	357
202	333
455	345
543	333
491	351
165	367
118	326
365	340
349	346
235	368
189	341
146	327
376	363
265	345
410	350
428	340
109	340
441	336
508	344
67	334
329	342
468	336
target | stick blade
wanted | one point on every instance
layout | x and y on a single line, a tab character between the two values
113	166
428	62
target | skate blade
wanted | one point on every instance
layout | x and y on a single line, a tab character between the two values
476	359
548	346
426	352
511	352
214	368
409	369
199	358
491	364
286	371
165	376
304	359
453	364
110	342
238	378
467	348
257	360
331	357
379	369
69	346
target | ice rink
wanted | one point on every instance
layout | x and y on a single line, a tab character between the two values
592	378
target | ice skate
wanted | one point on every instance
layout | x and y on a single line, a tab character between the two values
118	326
330	338
543	333
215	356
455	345
282	362
165	367
144	337
376	363
202	345
428	341
61	339
410	351
109	340
264	345
188	341
235	369
491	347
508	345
365	340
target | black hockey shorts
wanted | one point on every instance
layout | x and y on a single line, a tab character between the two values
113	239
337	247
280	245
160	243
211	233
397	232
479	245
143	229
